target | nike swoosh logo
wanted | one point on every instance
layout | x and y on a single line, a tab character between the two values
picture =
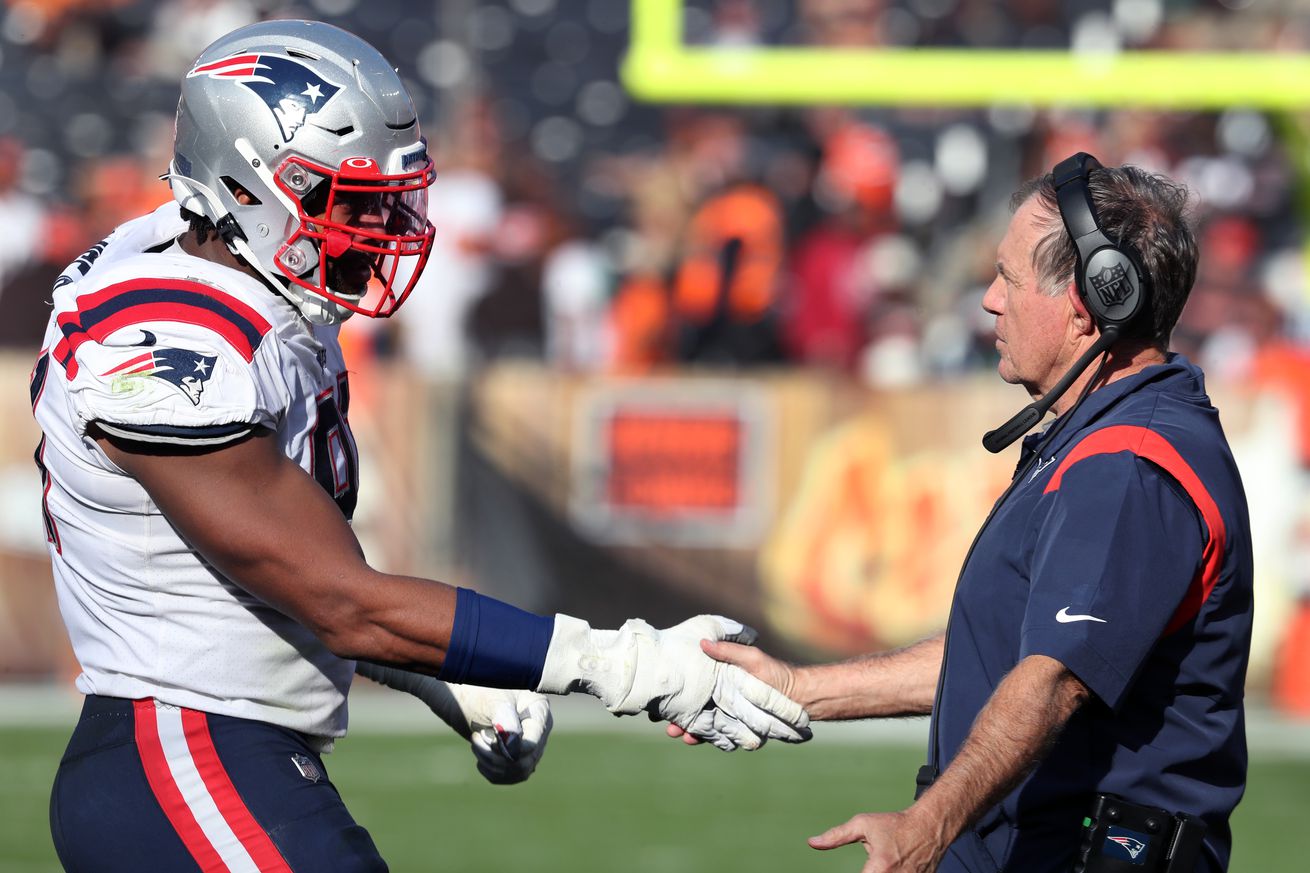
1063	617
1042	465
149	340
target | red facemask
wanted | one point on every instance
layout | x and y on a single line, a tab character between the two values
370	229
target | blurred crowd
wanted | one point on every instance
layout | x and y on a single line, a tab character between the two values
579	228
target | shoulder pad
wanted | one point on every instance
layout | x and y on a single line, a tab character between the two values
157	301
169	359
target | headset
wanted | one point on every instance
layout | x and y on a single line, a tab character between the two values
1109	278
1109	275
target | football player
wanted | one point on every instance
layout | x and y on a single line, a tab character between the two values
199	476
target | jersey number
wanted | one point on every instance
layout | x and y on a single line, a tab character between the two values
334	457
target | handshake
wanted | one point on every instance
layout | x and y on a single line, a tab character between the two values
666	674
636	668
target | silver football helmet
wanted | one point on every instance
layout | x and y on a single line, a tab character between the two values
299	141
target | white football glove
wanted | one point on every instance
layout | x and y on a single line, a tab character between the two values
506	729
666	674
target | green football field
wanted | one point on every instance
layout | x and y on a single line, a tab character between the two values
626	801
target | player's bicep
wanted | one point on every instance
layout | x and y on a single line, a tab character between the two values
254	515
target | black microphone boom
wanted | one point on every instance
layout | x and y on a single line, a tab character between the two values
1026	418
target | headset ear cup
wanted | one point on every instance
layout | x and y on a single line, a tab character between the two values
1112	288
1112	283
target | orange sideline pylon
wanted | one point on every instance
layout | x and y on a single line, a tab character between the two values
1292	669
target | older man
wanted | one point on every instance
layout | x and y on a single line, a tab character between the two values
1086	696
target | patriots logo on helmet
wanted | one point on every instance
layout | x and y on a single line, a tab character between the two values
291	90
185	370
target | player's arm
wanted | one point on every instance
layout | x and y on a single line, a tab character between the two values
898	683
262	522
1012	733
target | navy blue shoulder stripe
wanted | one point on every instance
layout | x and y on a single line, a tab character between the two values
216	434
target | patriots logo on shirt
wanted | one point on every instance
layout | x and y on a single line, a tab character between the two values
290	89
185	370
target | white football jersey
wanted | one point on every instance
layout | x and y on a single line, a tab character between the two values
153	345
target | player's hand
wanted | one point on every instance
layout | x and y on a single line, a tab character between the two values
894	841
666	674
506	729
738	697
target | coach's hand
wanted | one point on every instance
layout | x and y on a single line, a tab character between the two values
896	842
764	667
742	653
738	697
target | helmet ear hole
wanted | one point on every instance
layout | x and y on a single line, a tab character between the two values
236	190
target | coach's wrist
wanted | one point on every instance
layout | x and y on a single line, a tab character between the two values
935	820
927	838
803	685
830	692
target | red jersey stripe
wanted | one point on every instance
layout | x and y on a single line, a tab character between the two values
144	300
1146	443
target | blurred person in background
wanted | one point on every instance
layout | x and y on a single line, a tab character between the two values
832	289
844	23
1096	651
199	476
509	320
703	268
467	204
24	215
725	290
38	242
575	289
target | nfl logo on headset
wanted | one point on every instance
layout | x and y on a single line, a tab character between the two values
1111	285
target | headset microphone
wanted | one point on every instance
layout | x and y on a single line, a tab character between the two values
1026	418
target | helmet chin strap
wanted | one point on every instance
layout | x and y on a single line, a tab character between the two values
316	310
